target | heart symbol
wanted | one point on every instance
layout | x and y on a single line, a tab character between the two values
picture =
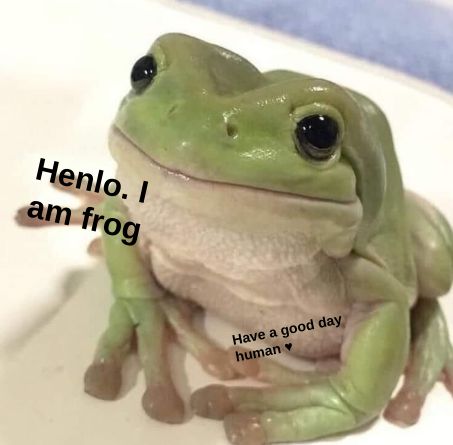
288	346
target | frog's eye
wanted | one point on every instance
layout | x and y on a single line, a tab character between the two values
317	136
143	72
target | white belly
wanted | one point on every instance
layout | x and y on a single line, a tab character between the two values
252	257
260	299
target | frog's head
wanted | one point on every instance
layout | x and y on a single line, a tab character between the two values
207	113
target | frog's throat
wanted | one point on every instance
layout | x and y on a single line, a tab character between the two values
120	143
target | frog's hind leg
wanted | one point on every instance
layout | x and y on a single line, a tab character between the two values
430	359
432	245
270	371
431	354
213	359
222	363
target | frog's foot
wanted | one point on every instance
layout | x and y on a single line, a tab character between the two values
213	359
95	247
321	405
255	416
245	429
143	319
89	199
429	361
405	408
269	371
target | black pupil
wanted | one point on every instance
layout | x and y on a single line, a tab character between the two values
143	72
318	130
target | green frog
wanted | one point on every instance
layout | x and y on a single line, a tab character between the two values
274	198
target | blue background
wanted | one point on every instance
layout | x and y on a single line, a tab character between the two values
413	36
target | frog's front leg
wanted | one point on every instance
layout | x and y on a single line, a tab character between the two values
373	355
136	311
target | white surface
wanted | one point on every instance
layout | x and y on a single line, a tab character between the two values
64	66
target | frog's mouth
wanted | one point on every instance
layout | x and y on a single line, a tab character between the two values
247	208
120	145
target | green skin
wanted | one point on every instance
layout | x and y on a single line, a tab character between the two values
211	115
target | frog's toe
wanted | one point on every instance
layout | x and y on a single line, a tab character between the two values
405	408
103	380
95	247
244	429
245	368
217	363
162	402
22	218
212	401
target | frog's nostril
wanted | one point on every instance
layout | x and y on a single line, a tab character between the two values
172	110
231	130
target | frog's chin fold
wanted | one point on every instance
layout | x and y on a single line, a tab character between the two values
330	225
121	146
